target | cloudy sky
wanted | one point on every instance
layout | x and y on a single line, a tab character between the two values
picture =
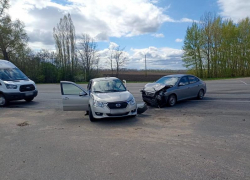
152	27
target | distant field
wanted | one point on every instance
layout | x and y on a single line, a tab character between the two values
141	76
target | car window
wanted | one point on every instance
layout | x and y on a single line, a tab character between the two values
192	79
71	89
184	80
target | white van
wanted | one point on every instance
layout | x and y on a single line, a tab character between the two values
14	84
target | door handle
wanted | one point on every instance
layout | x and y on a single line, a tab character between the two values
66	98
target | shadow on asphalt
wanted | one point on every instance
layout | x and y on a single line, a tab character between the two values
117	121
21	104
123	121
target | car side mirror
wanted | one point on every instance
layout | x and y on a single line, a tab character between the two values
125	83
82	94
181	84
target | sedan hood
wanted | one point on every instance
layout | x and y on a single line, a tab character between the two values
113	96
152	87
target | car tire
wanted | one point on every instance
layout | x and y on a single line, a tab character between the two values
3	101
171	100
29	99
91	117
200	94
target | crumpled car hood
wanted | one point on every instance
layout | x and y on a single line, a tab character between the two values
113	96
152	87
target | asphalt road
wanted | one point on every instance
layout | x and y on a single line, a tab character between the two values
196	139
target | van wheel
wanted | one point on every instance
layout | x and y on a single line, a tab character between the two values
172	100
3	101
29	99
91	117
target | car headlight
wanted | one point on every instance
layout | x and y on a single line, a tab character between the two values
131	101
99	103
11	86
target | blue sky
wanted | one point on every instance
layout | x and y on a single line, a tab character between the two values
152	27
192	9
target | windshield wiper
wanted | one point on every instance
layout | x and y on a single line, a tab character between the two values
113	90
98	91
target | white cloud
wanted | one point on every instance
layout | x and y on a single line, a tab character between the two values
187	20
154	1
157	58
98	18
113	45
178	40
234	9
158	35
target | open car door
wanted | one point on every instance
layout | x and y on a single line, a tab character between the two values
74	97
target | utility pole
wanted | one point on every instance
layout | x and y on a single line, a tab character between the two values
146	65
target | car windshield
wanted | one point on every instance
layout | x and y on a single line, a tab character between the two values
168	80
11	74
109	85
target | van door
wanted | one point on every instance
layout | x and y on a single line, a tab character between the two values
74	97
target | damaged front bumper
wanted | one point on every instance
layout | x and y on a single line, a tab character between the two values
154	99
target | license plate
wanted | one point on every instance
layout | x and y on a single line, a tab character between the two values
28	93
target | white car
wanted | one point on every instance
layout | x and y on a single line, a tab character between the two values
14	84
104	98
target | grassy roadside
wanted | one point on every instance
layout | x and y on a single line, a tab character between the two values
225	78
204	79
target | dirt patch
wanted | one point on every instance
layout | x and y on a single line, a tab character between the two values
23	124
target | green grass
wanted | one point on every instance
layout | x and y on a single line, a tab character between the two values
204	79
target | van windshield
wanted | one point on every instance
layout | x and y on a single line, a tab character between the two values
12	74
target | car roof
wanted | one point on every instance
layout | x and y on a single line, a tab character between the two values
177	75
103	78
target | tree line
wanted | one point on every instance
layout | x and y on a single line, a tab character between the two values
215	47
76	58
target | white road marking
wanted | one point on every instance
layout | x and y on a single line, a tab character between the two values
244	82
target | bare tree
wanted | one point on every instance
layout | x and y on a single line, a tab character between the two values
64	35
120	58
88	55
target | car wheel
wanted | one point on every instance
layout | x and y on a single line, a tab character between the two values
91	117
200	94
172	100
29	99
3	101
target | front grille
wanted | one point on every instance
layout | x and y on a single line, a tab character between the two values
120	114
117	105
29	87
150	94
